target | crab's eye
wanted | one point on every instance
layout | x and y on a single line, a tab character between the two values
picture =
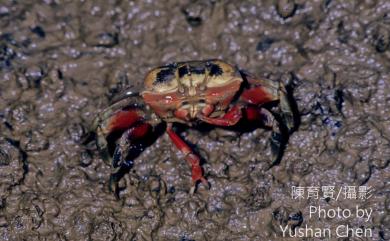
161	79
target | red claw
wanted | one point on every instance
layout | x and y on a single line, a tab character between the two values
256	96
123	120
140	131
229	119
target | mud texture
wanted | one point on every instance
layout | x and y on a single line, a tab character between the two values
62	61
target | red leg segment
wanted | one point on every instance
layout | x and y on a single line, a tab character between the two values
190	157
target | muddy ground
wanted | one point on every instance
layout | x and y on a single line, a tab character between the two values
62	61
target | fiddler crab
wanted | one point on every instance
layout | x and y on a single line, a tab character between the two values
194	92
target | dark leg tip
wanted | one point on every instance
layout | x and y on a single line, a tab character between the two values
277	147
113	185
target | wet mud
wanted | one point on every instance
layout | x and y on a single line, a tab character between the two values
61	62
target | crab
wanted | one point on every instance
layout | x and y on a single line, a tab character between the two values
210	92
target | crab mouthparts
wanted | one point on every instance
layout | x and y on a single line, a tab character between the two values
192	110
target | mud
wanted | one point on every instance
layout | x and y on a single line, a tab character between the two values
62	61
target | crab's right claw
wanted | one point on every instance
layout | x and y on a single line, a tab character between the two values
263	91
286	110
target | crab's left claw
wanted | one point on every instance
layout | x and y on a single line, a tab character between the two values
128	147
123	131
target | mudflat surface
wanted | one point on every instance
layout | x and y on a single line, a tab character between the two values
62	61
